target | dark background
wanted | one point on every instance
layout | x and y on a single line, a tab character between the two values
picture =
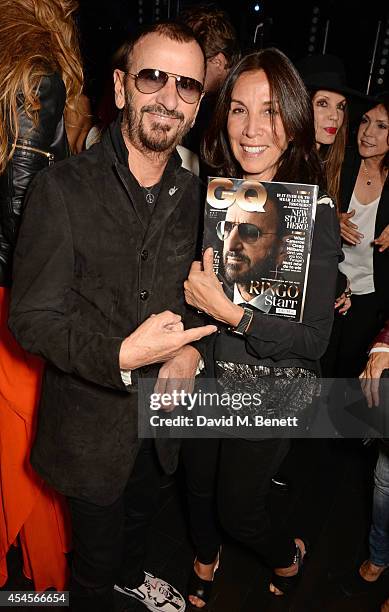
296	27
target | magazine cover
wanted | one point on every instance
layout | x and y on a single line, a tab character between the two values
261	234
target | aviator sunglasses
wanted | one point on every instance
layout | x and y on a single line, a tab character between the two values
248	232
150	80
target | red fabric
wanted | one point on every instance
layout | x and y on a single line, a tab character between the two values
383	336
29	508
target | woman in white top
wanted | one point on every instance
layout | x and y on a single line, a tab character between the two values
364	220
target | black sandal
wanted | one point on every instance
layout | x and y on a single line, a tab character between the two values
200	588
286	584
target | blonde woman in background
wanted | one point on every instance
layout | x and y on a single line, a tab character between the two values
41	77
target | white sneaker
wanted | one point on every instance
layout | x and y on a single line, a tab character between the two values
156	594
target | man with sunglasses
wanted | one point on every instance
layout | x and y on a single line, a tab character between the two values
106	243
253	248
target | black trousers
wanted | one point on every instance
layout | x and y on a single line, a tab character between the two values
110	542
201	461
351	335
237	474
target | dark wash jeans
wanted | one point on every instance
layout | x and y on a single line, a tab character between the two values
233	475
110	542
379	531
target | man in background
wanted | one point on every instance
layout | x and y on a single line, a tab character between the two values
216	34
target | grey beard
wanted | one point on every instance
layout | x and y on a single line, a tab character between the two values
161	138
261	270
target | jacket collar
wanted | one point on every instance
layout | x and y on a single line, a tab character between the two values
174	181
113	141
118	144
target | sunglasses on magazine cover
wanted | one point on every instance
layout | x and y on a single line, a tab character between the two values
248	232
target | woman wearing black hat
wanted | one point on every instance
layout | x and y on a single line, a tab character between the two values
325	78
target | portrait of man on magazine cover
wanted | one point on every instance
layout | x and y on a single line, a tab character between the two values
253	251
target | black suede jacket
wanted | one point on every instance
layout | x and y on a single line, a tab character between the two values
91	264
37	146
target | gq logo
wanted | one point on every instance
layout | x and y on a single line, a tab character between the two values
249	195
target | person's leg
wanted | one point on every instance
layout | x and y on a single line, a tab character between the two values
97	533
140	502
378	561
246	468
379	532
358	328
200	460
110	542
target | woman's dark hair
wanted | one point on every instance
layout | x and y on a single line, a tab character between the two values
332	157
383	100
300	162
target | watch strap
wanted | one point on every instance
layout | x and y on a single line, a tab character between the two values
245	322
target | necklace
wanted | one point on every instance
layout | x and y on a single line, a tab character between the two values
369	181
150	197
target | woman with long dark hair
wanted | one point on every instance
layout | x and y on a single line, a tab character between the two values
263	130
364	222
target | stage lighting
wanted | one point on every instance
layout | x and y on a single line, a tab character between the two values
383	51
312	37
140	11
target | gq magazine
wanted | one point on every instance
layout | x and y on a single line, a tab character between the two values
261	234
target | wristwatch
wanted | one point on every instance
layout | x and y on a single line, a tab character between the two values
244	323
